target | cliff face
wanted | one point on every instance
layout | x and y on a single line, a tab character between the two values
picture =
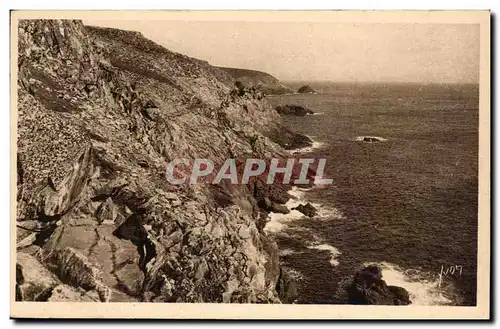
261	80
101	113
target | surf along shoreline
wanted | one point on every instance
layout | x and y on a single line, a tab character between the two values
422	288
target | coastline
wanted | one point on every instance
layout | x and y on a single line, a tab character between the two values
423	288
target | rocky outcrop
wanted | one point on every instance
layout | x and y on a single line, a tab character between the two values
34	282
306	89
293	110
287	287
370	139
260	80
307	209
286	138
368	288
100	114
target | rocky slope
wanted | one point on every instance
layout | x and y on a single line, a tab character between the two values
101	113
261	80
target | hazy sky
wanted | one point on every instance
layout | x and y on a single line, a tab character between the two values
325	51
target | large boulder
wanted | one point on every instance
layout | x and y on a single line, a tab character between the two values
368	288
287	138
34	282
293	110
286	287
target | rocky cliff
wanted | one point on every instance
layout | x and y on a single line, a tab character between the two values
260	80
100	114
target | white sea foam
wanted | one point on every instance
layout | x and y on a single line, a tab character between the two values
422	291
308	149
277	222
334	252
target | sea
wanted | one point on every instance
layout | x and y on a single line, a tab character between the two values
408	204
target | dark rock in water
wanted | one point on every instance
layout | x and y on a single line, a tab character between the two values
286	138
370	139
306	89
262	81
271	206
368	288
307	209
293	110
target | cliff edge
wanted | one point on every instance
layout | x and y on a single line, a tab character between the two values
260	80
100	114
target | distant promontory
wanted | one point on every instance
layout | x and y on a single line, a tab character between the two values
260	80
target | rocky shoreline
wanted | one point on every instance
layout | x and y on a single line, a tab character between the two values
100	114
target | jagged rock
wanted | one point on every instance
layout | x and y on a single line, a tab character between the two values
130	278
307	209
34	282
368	288
286	287
107	211
293	110
27	241
306	89
287	138
262	81
267	193
271	206
101	254
97	126
370	139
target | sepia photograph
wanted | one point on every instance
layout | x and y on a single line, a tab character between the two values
258	164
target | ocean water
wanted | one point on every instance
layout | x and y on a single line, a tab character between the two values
408	204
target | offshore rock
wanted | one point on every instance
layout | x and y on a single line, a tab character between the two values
98	123
368	288
293	110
